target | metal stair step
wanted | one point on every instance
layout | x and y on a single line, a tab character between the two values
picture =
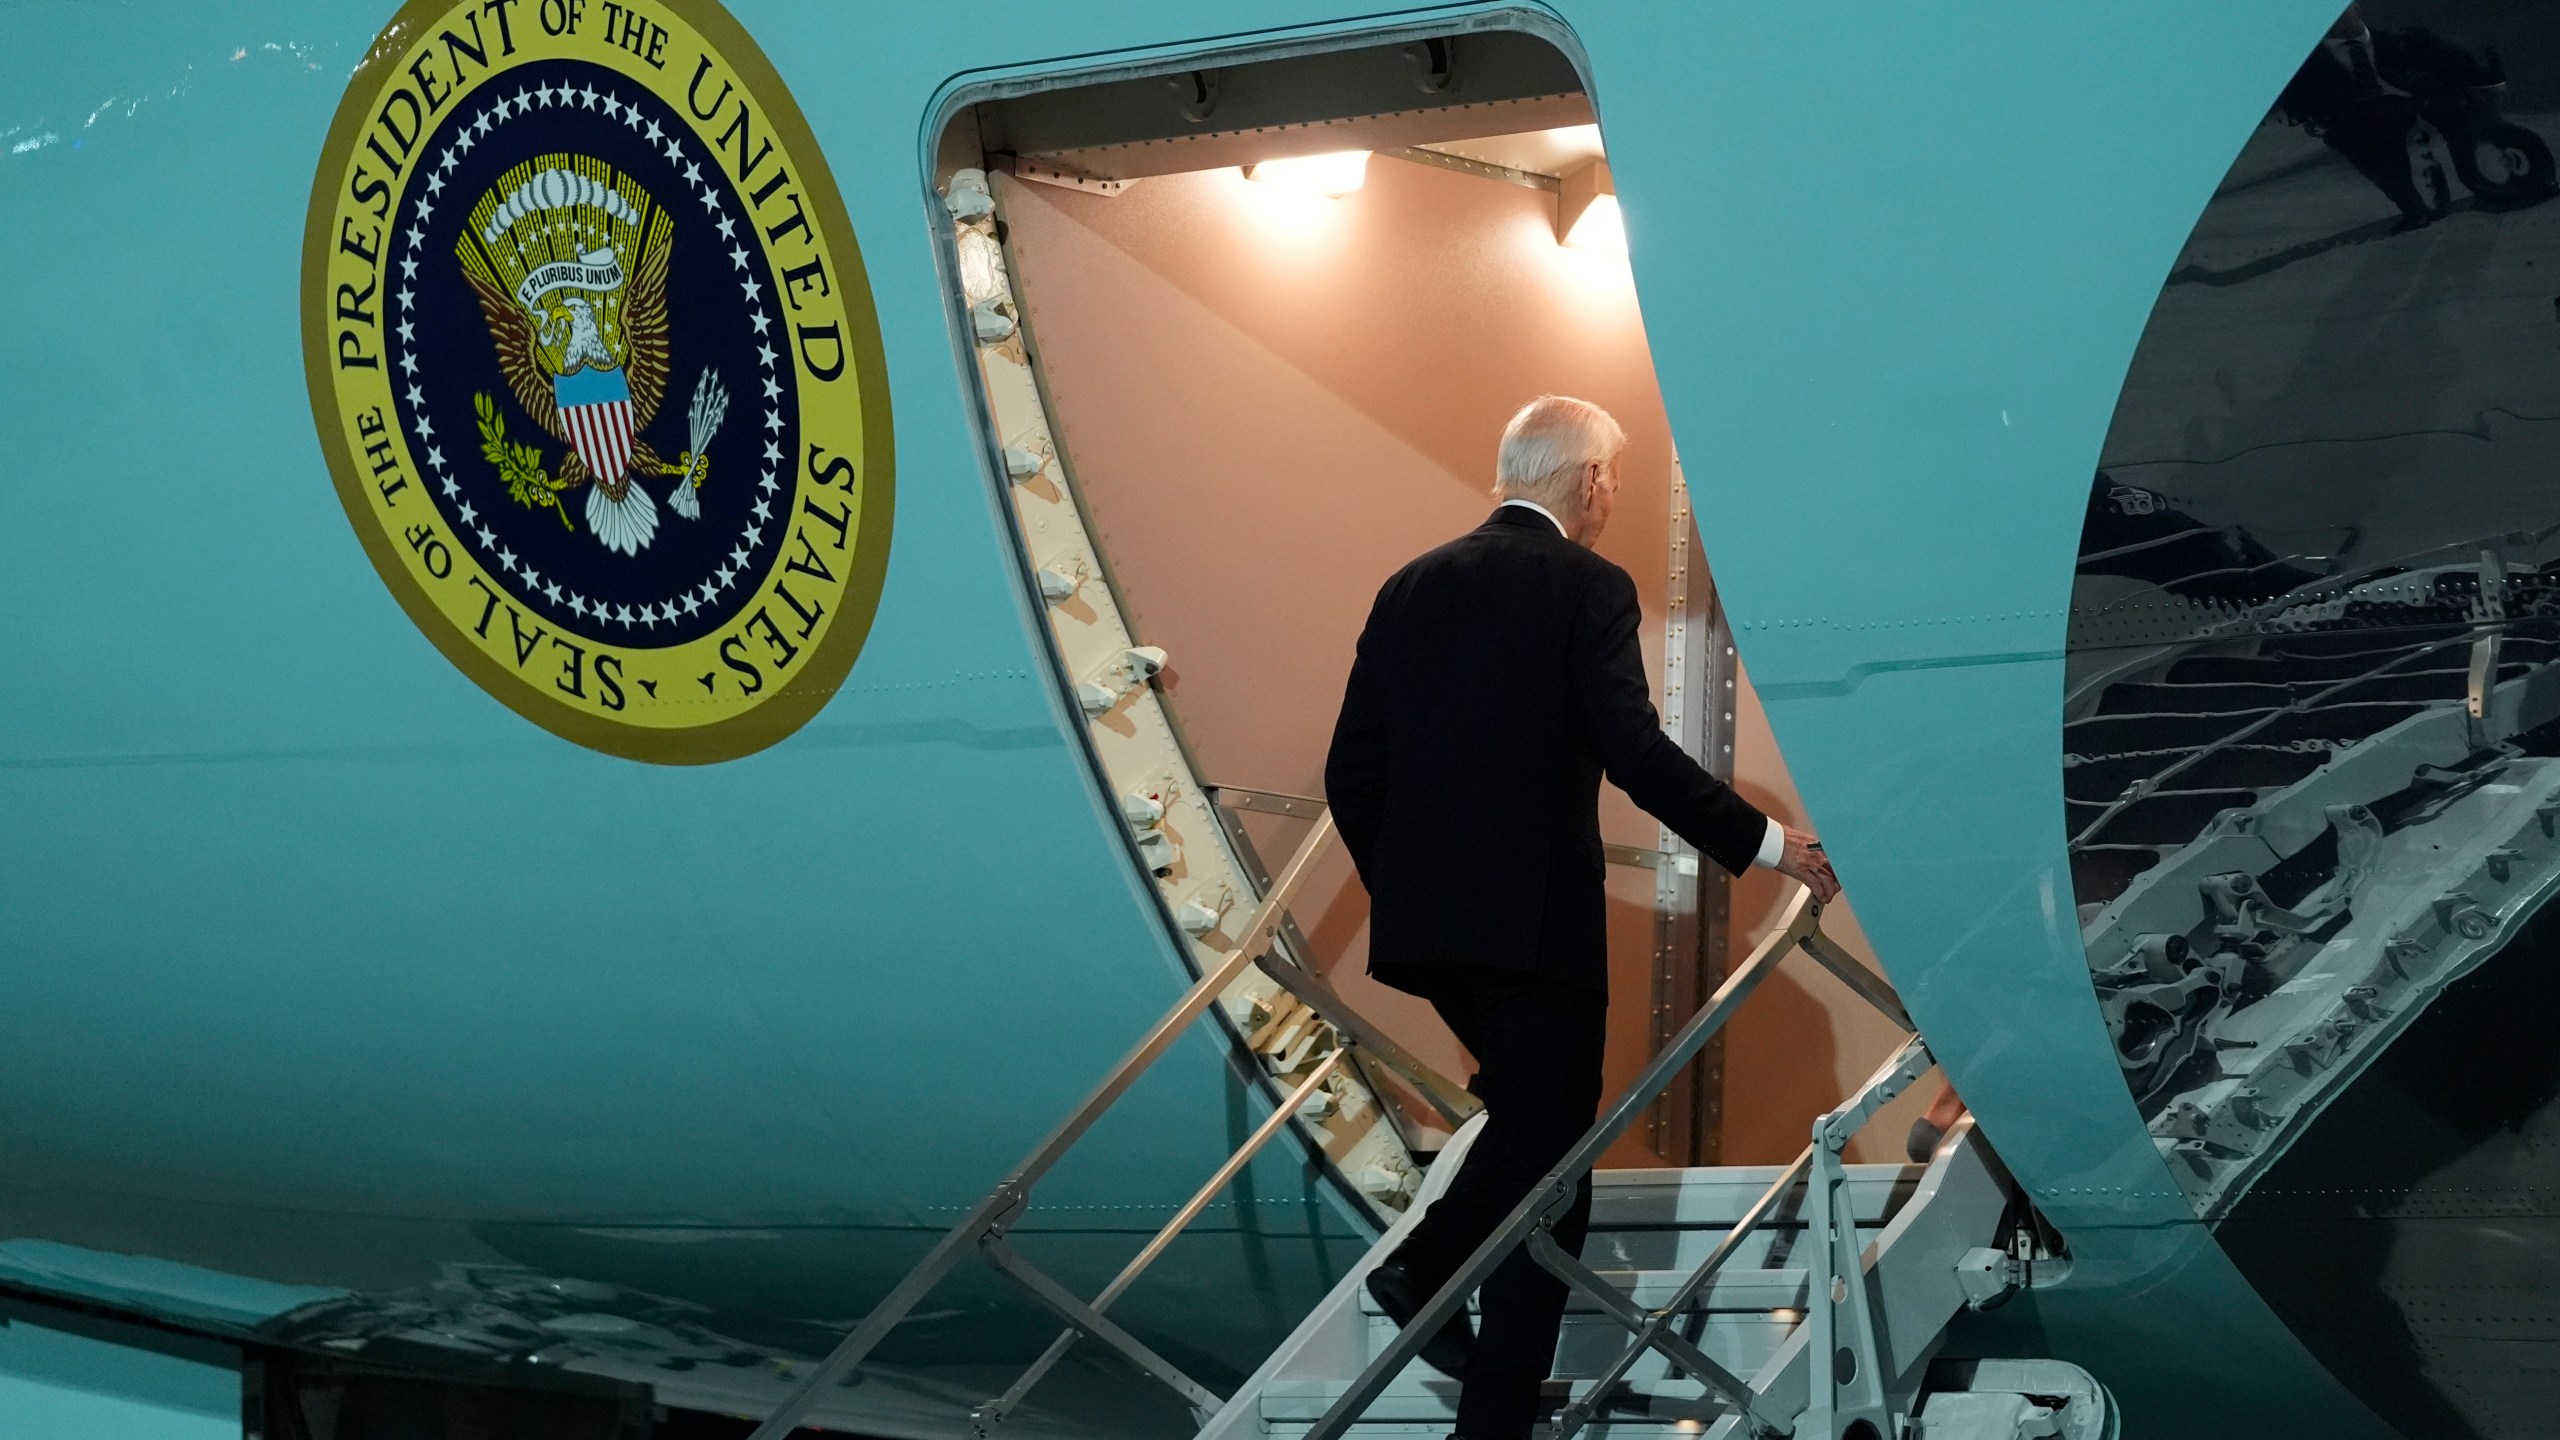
1741	1343
1440	1431
1420	1395
1729	1290
1428	1409
1748	1314
1709	1197
1776	1245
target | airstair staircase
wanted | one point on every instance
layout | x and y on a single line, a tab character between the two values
1650	1230
1737	1302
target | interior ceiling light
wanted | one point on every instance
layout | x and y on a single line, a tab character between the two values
1587	215
1337	174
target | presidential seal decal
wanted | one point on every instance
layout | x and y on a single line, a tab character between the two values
596	369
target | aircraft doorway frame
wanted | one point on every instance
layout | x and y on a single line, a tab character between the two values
1692	901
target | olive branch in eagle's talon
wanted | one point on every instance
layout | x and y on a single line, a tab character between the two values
528	483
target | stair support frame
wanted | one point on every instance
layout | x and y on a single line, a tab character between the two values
1569	1268
1041	1286
984	1227
1847	1380
987	1416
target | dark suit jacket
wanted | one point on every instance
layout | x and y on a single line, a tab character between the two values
2326	92
1499	676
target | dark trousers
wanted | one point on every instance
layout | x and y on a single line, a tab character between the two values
2374	138
1537	1046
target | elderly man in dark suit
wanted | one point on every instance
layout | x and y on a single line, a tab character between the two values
1497	680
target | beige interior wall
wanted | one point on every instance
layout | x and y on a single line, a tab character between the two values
1270	401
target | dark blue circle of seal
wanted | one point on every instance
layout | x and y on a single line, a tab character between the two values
696	572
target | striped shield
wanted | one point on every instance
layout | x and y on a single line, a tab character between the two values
595	408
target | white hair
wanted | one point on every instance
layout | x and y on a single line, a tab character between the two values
1545	447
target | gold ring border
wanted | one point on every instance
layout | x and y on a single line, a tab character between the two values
805	693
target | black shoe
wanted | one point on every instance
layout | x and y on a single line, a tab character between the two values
1922	1143
1402	1297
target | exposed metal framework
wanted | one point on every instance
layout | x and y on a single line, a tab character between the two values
1480	169
1692	903
1475	75
2295	826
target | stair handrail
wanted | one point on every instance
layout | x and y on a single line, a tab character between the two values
1531	1220
985	1225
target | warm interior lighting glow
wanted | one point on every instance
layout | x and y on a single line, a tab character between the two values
1336	174
1587	215
1601	229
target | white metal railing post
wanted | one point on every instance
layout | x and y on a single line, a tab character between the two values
1842	1347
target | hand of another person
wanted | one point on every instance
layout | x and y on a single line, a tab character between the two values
1804	861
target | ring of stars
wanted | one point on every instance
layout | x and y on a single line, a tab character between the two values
752	537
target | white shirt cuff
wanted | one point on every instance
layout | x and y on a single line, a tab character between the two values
1773	847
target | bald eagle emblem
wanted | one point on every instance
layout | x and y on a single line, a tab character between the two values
568	259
